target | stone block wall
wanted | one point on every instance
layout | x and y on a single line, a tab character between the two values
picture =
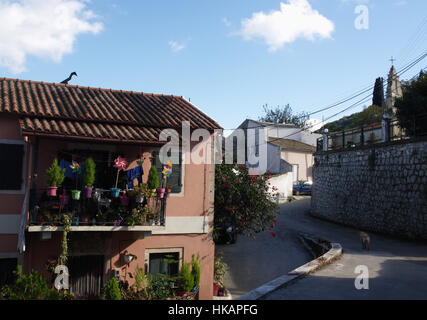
382	188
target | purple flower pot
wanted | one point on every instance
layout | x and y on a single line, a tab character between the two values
160	193
124	201
64	199
88	192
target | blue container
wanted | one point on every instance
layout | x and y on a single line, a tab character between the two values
115	192
75	221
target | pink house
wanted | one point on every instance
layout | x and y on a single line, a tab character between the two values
43	121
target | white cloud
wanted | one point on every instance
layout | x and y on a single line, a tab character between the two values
41	28
176	46
295	19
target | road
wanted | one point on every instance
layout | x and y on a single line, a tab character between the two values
253	262
397	268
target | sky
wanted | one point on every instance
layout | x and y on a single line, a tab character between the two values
229	57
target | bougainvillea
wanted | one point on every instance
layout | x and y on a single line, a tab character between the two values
243	200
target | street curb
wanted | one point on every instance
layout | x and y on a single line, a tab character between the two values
334	253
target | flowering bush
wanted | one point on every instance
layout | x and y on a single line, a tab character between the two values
243	200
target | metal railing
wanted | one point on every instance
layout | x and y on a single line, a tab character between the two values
373	134
100	209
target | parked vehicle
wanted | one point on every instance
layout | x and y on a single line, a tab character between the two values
302	187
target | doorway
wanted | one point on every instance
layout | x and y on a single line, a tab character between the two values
86	276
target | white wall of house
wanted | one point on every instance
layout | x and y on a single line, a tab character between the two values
284	184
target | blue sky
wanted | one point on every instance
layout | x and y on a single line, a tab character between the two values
229	56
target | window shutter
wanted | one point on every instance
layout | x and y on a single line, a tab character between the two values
11	163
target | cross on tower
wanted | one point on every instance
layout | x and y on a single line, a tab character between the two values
392	60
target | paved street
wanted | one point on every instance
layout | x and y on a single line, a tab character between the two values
397	268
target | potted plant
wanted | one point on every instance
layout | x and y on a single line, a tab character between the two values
120	164
75	194
141	192
124	199
88	176
153	179
220	269
54	178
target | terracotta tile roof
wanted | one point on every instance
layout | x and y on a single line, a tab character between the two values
69	110
89	130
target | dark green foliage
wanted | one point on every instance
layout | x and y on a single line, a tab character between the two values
370	115
186	279
54	174
412	107
195	269
112	290
283	115
88	175
161	288
242	200
378	98
153	178
30	287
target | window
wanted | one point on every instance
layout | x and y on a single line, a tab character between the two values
175	180
164	263
11	166
7	266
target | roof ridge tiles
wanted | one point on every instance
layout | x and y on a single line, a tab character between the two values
88	87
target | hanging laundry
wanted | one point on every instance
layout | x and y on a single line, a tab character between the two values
132	174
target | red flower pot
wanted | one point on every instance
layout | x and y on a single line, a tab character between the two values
215	290
64	199
51	191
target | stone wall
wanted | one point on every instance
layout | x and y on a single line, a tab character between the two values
381	189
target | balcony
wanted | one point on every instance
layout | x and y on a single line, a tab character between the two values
99	210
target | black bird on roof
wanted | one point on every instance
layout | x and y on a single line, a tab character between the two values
69	78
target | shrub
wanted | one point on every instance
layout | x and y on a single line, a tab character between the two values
88	175
153	178
161	288
186	279
31	287
54	174
220	269
112	290
195	270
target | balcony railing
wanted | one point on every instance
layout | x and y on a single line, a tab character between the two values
97	211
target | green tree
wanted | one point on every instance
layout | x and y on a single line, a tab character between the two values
283	115
412	107
153	178
186	279
112	290
243	200
54	174
378	98
88	174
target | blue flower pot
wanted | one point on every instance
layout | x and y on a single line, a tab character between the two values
115	192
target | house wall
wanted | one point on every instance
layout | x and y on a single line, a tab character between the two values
10	202
304	160
284	184
189	217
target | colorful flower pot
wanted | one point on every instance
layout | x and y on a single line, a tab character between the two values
115	192
215	290
75	221
168	192
51	191
88	192
124	200
75	194
64	199
160	193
